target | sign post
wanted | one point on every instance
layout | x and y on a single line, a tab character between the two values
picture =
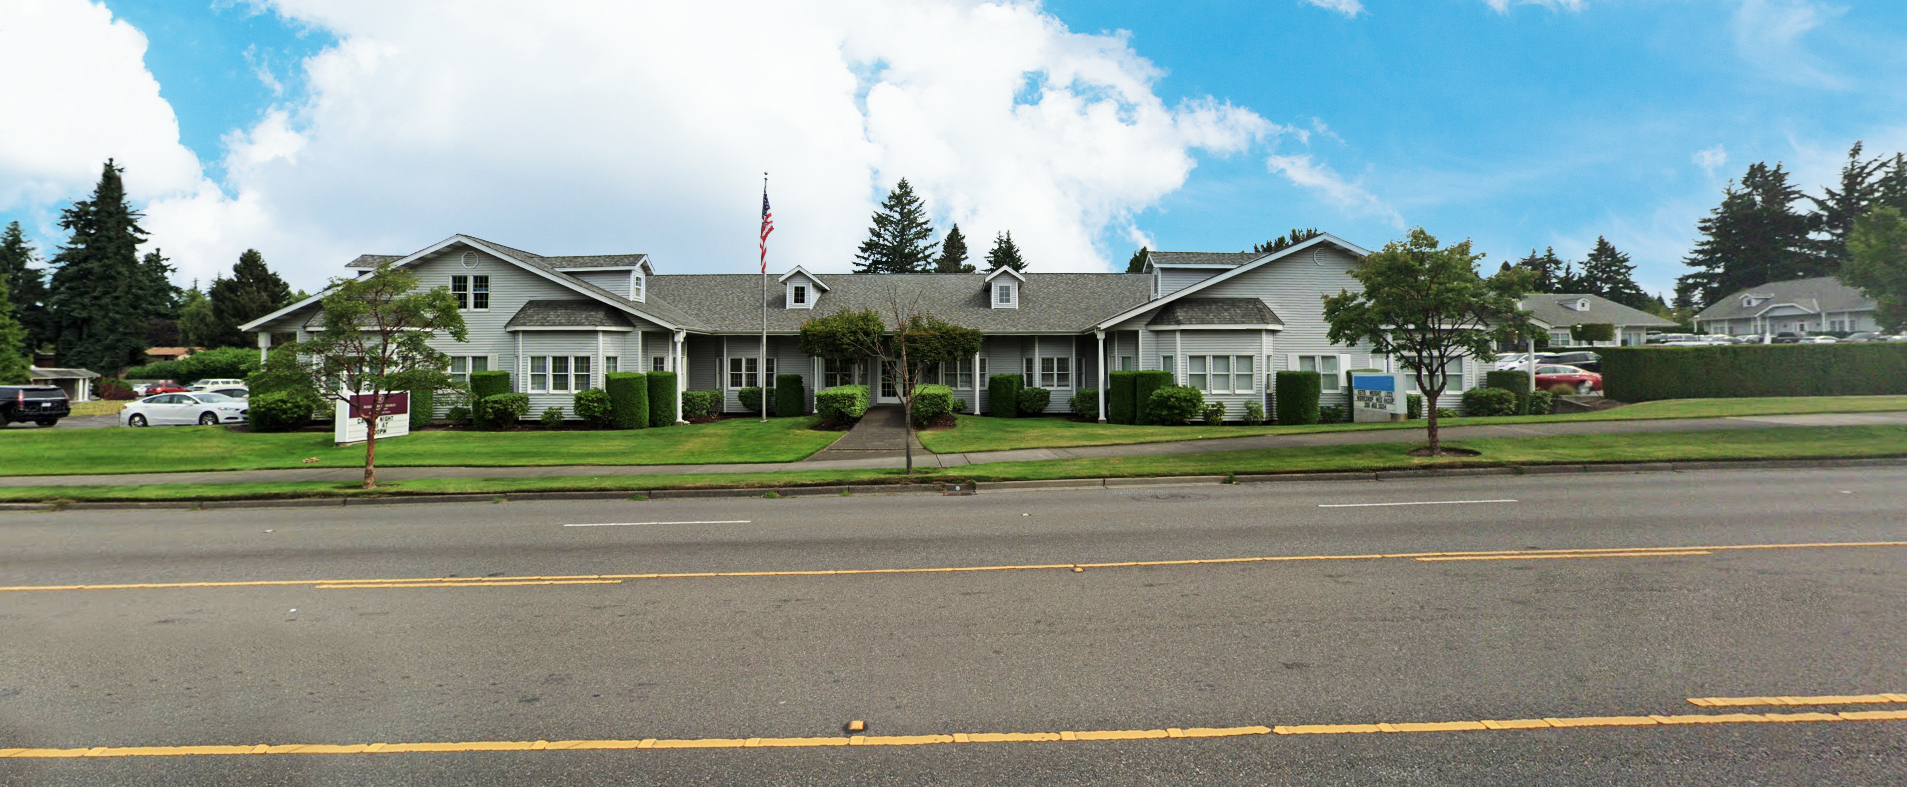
348	427
1378	397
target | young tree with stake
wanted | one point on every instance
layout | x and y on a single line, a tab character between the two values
1427	307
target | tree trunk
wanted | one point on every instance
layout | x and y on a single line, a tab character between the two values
1430	413
370	453
907	431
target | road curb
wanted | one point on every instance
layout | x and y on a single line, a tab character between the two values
1058	483
1169	480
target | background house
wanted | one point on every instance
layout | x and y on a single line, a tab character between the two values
1798	306
1559	311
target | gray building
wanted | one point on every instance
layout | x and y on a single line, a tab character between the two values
1799	306
1219	322
1556	312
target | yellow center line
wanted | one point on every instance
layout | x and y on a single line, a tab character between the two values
964	738
1819	699
562	579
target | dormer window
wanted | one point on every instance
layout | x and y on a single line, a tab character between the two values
803	288
1005	295
800	296
636	283
1582	304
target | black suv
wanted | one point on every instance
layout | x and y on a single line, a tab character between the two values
42	404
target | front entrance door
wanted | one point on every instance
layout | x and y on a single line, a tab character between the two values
889	392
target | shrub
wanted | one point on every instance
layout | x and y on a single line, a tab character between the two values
1641	374
1295	395
457	414
1143	384
1121	407
281	411
593	406
281	372
628	394
1254	413
930	402
1085	404
233	362
484	385
1003	395
661	398
750	399
1175	405
1445	412
423	405
552	418
1413	406
114	390
960	405
1034	401
1489	402
1516	381
1541	402
1331	414
1593	332
1215	414
701	404
499	411
842	403
1562	389
791	396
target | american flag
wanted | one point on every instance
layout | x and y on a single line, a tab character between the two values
767	226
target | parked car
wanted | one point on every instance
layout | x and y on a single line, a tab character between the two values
1507	361
1866	336
160	387
1581	359
1576	377
217	382
42	404
1788	337
1820	339
238	392
184	409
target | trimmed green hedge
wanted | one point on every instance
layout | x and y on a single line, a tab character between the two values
1642	374
1003	395
661	398
421	408
1489	402
1295	396
930	402
281	411
628	399
1085	404
1143	384
1034	401
1592	332
1177	405
224	362
1121	406
701	404
594	406
484	385
841	403
791	396
750	398
503	410
1516	381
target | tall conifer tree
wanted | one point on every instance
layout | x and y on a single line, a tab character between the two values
1609	274
1836	211
15	355
1754	237
102	293
901	240
1289	240
26	283
1005	252
253	292
1544	269
953	253
1138	262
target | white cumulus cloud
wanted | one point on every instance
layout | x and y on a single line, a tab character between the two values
1345	7
1768	34
1503	6
1321	179
1711	159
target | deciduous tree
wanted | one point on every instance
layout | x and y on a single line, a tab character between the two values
1878	264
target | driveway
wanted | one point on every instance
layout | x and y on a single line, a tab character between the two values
83	422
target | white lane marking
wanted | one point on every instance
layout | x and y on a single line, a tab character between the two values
638	524
1423	503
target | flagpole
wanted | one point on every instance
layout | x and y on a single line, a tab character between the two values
761	367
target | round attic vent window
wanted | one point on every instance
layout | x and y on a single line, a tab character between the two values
470	259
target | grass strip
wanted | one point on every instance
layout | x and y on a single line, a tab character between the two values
1746	444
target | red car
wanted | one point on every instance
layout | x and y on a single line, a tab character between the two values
161	387
1582	380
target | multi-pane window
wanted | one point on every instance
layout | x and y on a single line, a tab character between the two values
836	372
471	292
983	368
611	364
801	295
559	373
1327	368
1126	363
745	372
659	363
1221	373
1170	364
957	374
462	365
1026	372
1056	373
635	285
1003	293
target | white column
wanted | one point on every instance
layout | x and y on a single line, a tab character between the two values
1101	336
1178	355
680	360
598	371
264	346
520	377
977	382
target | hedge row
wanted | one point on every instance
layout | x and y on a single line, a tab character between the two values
224	362
1143	384
1003	395
1516	381
661	398
1121	398
628	399
1295	397
1642	374
791	399
484	385
930	402
841	403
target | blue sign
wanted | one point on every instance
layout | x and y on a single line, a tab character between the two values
1374	382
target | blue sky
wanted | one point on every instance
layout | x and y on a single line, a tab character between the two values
1540	123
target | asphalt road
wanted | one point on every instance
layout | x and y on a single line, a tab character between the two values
493	652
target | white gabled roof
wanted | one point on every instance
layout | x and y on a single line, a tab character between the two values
804	271
1006	269
1241	270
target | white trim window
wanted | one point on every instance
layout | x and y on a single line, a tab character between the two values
798	296
559	373
1005	295
1056	373
1126	363
461	366
659	363
611	364
1453	371
1170	363
1026	372
836	372
1222	373
983	368
742	372
472	292
636	282
957	374
1329	368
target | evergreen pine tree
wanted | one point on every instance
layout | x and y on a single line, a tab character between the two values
26	283
102	294
1138	262
198	326
1835	213
1754	237
901	240
1568	282
15	356
1289	240
953	253
1544	269
1608	273
1891	190
1005	252
252	292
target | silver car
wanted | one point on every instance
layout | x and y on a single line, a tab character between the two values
184	409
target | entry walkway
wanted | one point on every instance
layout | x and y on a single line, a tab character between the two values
874	459
877	436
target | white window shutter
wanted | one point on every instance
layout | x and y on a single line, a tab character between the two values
1291	362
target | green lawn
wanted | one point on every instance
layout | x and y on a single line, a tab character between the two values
194	448
1772	443
976	433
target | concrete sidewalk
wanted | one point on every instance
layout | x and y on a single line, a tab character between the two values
892	459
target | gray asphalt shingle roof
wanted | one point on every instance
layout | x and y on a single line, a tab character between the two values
659	308
1069	302
1820	294
567	314
1232	258
1216	311
1548	307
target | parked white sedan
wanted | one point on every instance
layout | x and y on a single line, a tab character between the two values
184	409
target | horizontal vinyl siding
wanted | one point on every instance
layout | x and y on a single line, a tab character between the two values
1172	280
613	281
1230	344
